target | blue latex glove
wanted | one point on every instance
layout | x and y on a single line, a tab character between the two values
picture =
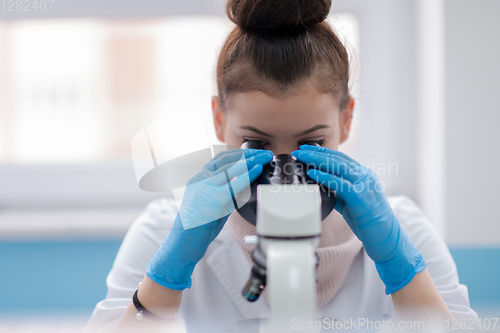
205	207
366	210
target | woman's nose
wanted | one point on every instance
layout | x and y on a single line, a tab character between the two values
284	148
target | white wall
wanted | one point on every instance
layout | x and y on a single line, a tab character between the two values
472	30
384	131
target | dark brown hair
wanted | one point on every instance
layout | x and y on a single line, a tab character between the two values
280	45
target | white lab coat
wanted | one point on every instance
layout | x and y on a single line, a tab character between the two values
214	302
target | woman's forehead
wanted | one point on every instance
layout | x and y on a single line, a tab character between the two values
305	107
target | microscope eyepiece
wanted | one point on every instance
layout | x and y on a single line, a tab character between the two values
283	169
252	144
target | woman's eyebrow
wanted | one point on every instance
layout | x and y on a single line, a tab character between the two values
312	129
258	131
307	131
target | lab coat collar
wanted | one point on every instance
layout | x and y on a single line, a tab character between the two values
232	270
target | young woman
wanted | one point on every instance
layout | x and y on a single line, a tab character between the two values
282	79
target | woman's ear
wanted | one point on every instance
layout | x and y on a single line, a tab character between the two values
346	120
218	118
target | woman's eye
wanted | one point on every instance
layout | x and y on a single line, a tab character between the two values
320	143
255	143
262	143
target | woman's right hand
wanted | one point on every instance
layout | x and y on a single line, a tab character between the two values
205	207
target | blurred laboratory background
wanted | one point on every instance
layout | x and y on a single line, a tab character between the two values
79	78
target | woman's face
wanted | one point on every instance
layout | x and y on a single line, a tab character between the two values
283	124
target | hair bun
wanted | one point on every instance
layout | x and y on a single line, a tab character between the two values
268	15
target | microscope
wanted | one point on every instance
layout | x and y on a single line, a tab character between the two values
287	209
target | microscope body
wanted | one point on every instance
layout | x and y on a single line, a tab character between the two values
288	230
287	209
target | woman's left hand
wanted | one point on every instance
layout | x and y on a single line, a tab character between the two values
362	203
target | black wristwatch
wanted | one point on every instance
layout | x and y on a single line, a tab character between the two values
143	312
